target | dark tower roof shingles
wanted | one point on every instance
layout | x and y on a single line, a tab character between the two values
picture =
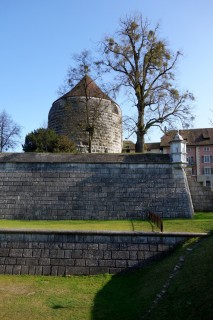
86	87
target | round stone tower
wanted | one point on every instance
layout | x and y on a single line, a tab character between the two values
88	117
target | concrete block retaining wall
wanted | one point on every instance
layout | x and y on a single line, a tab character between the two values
76	253
95	186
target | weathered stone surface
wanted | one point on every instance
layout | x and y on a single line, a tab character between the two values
93	258
68	117
97	186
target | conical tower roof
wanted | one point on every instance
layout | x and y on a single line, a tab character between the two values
86	87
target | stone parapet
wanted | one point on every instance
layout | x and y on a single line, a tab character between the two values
31	157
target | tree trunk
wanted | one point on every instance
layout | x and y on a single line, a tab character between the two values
140	128
139	147
90	142
90	131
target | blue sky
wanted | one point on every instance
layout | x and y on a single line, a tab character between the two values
39	37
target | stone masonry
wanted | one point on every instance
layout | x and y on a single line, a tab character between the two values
91	186
67	253
85	107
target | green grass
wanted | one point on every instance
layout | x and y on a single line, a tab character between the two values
117	297
201	222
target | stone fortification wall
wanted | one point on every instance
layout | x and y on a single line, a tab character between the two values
69	117
104	186
202	196
68	253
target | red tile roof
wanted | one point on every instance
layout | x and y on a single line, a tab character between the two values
193	137
152	146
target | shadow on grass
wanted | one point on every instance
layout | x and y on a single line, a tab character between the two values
122	298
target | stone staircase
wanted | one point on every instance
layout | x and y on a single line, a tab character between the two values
202	197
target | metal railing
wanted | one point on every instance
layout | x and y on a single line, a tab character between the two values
155	221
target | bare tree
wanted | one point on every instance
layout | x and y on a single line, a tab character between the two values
9	132
93	96
142	63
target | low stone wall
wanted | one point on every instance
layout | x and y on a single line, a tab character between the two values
92	186
60	253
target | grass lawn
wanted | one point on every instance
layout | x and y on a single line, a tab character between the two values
118	297
201	222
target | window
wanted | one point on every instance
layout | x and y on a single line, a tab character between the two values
206	159
206	149
190	160
207	170
115	110
208	183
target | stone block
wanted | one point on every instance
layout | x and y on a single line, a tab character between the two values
141	255
113	246
44	261
61	271
107	254
9	261
46	270
121	263
93	254
133	263
115	270
163	247
32	271
60	254
27	253
52	253
69	262
133	255
92	246
54	271
57	262
139	239
15	252
37	253
90	262
20	261
98	270
2	260
121	255
102	246
24	269
45	253
153	247
77	254
31	262
17	270
2	269
4	252
9	269
80	246
77	270
107	263
67	254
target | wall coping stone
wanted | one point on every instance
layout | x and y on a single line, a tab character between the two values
31	157
102	232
